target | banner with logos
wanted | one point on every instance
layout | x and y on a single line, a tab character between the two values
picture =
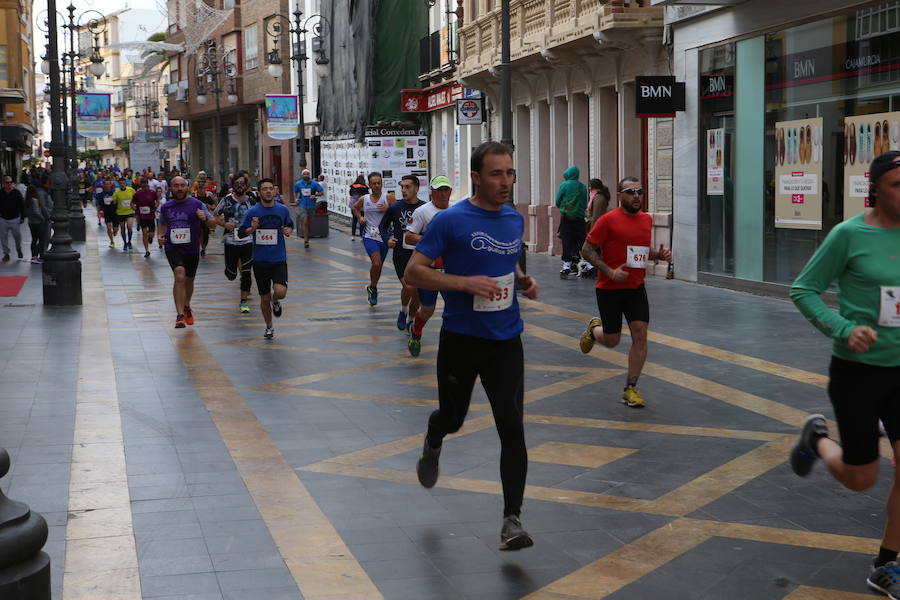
282	116
865	137
92	114
798	174
171	134
715	162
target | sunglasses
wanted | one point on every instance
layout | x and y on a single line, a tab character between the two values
633	191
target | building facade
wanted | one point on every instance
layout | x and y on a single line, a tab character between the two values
574	65
18	109
787	103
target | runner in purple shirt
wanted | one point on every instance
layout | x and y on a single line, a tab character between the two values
180	222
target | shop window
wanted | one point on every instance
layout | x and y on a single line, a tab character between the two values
715	233
832	105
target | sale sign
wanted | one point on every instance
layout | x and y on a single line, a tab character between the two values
798	174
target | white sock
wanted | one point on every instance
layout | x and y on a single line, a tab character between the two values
567	265
405	309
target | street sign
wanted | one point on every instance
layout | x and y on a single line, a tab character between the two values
470	111
47	153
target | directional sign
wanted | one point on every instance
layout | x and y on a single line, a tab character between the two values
470	111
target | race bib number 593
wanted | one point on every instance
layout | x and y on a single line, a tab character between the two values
500	300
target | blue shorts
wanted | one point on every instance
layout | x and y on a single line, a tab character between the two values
427	297
373	246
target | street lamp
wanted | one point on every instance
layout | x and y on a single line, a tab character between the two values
320	27
214	62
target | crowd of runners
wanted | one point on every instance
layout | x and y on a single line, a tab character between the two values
468	253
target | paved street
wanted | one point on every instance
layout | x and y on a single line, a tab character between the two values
211	464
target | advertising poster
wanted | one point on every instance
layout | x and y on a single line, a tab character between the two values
92	114
798	174
715	161
170	136
282	116
393	152
865	138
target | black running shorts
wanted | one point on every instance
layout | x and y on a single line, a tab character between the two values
188	261
148	224
268	273
862	394
613	304
401	258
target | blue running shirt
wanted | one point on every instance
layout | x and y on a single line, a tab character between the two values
268	239
474	241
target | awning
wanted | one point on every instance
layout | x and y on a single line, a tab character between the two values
12	96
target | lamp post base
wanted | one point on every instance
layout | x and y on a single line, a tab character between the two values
77	228
62	280
29	580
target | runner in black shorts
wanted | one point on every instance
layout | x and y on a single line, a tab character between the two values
864	377
622	237
393	227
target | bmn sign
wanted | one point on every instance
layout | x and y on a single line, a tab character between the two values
657	96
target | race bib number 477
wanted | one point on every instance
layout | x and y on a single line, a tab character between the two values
180	235
500	300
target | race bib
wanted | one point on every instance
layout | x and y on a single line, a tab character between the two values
180	235
306	191
499	301
145	210
267	237
374	232
890	306
107	199
126	203
637	257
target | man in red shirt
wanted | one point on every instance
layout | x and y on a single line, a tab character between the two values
622	238
146	203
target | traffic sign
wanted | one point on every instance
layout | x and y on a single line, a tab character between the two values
47	153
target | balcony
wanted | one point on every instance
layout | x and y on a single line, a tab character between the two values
536	25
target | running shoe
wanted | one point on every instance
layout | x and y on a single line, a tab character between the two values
587	338
632	397
886	579
243	307
188	315
276	308
179	322
427	468
270	333
512	536
373	295
306	244
414	344
803	454
37	260
19	253
203	253
112	244
147	254
401	321
6	258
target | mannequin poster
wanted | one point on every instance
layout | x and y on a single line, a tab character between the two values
798	174
865	137
715	158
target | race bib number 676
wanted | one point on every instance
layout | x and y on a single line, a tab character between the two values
500	300
637	257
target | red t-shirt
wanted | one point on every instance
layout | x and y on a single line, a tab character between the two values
143	200
623	239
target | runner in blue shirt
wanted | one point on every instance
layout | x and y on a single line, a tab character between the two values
306	193
480	239
269	223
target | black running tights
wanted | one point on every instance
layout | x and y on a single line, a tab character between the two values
500	364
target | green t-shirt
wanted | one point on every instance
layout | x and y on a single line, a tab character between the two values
123	201
865	260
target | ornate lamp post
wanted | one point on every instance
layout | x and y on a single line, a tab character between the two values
320	27
213	63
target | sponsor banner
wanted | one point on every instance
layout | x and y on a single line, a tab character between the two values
715	162
171	134
657	96
92	114
429	99
865	137
798	174
391	155
282	116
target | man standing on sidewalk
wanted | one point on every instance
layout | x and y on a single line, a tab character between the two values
306	194
863	255
480	239
571	200
12	215
622	238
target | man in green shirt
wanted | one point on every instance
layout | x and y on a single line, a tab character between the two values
863	255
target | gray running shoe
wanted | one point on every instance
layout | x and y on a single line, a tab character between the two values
427	468
803	454
886	579
276	308
270	333
512	536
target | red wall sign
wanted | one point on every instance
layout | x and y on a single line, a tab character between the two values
433	98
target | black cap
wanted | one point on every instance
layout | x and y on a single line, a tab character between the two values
882	164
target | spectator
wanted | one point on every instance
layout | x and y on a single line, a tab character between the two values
12	215
571	200
358	189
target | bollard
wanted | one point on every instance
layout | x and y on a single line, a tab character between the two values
24	568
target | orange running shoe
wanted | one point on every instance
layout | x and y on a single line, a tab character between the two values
188	315
179	322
